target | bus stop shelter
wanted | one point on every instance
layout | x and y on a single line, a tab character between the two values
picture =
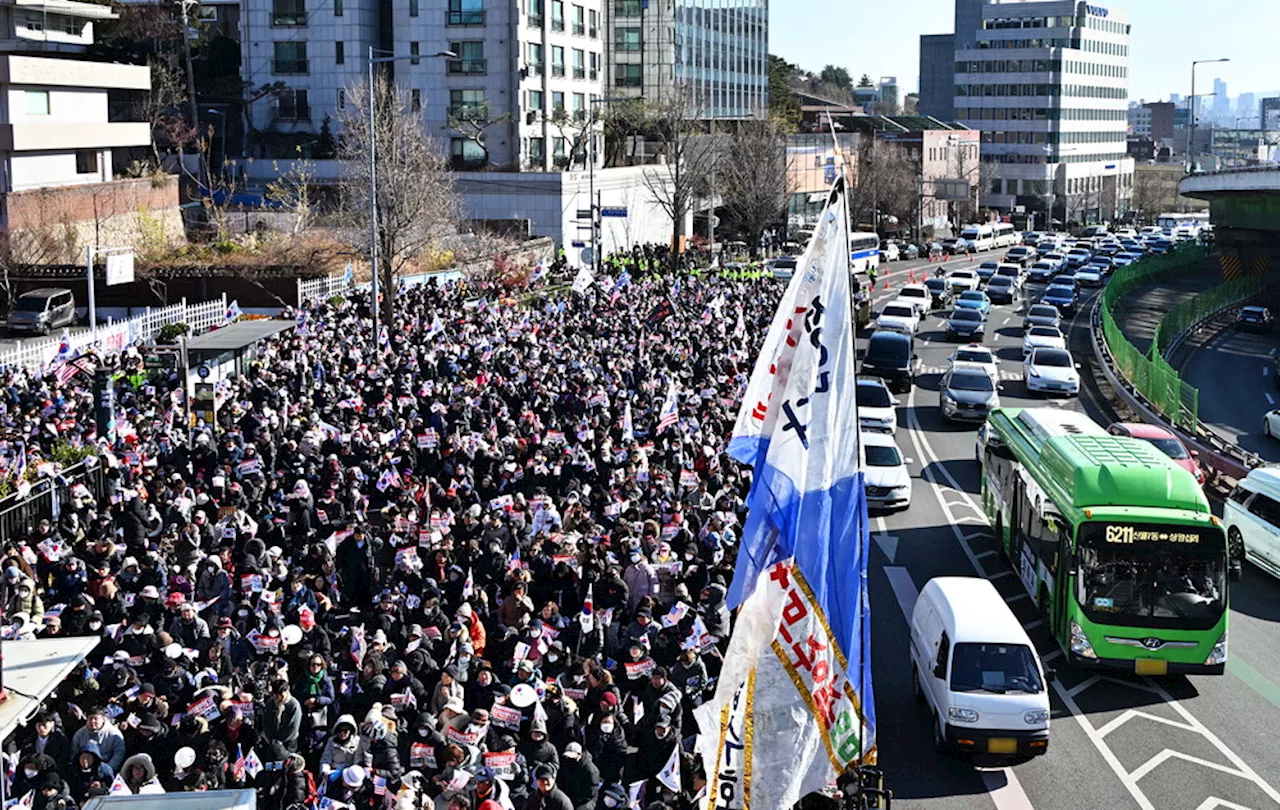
242	799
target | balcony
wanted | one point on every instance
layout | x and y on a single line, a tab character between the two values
457	18
557	70
469	112
579	115
289	15
291	67
41	136
535	68
579	73
557	25
535	20
579	29
468	67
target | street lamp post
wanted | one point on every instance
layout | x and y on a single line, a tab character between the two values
1191	124
591	180
373	177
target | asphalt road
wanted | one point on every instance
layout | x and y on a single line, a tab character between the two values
1235	373
1117	741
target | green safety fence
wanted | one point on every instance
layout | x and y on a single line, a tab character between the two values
1154	379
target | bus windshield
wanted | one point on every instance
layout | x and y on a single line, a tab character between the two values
1152	575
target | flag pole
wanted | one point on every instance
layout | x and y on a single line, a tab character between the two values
840	189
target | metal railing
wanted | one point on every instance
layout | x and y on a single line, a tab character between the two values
38	354
323	288
19	514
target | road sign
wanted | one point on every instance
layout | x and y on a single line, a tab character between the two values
617	211
588	256
204	372
578	243
119	267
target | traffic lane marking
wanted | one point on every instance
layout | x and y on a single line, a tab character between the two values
923	447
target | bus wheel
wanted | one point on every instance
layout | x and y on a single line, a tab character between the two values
1004	553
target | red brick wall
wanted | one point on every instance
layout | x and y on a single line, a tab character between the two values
68	204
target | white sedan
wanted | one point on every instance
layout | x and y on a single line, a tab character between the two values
1042	337
899	317
976	355
963	280
888	482
877	407
1271	424
1051	371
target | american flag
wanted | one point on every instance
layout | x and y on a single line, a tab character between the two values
237	768
670	409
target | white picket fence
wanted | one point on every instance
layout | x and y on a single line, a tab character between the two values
322	289
112	337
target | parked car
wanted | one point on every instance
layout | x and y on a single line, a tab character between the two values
956	246
782	267
889	252
1165	441
909	251
42	310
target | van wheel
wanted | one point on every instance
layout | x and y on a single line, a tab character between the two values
940	743
1235	549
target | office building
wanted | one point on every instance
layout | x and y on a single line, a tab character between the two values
515	94
1221	101
715	53
1047	84
1139	119
1161	115
1269	112
937	76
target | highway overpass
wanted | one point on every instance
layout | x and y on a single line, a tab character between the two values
1244	206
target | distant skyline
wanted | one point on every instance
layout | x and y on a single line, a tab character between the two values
885	41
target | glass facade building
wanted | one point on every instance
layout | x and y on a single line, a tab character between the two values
717	51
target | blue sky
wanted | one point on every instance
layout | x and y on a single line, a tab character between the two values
882	39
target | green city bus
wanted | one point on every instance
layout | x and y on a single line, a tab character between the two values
1114	543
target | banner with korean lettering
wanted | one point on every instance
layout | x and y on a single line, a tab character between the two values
802	564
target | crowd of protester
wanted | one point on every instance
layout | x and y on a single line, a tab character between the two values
466	566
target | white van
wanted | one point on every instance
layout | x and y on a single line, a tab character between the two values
981	237
977	671
1252	518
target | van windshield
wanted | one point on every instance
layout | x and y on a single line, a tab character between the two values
31	304
998	668
888	353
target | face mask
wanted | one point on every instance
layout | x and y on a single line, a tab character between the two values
606	727
553	658
30	772
463	660
609	801
95	626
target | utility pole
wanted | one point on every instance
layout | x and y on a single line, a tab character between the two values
186	49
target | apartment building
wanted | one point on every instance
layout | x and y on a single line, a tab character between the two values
716	52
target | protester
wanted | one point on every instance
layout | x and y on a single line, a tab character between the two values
480	565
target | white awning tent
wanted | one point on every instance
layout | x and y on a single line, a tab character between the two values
32	671
242	799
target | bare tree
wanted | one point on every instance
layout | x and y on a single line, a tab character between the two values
472	121
686	163
622	121
753	177
416	201
885	180
292	190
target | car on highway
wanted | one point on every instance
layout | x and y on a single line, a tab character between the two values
1067	278
1002	289
1124	259
1031	238
889	252
976	355
961	280
1050	371
974	299
1077	257
1060	296
885	471
42	310
1165	441
968	393
1041	315
1253	318
1251	514
892	357
917	295
782	267
877	406
955	246
1042	270
1042	337
1056	258
966	324
1160	247
987	269
938	292
900	317
1021	255
1013	271
1089	276
977	672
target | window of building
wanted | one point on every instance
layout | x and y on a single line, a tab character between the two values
595	66
557	15
466	12
535	61
292	106
626	8
557	60
37	102
557	103
86	161
559	150
288	12
579	106
413	8
579	64
415	100
535	13
464	104
467	154
337	8
632	39
342	99
32	21
537	101
537	150
72	26
579	21
593	23
339	53
290	58
470	57
629	76
414	53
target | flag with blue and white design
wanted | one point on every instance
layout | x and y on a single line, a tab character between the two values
798	661
233	311
349	276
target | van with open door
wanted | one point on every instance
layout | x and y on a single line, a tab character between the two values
977	672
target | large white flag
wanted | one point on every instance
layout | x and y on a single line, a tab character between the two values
582	282
797	671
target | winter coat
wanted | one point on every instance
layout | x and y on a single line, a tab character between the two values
338	755
580	780
79	780
641	581
553	800
281	724
109	740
